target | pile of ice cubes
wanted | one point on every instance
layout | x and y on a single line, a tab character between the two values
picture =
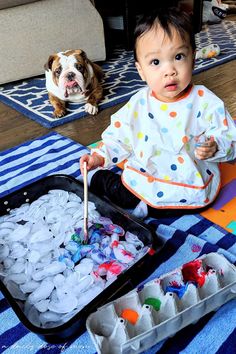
45	265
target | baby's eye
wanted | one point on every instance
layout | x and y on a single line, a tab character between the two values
155	62
179	56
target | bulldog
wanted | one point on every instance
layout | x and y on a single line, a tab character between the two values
71	76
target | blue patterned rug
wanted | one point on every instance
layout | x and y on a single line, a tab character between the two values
30	98
184	239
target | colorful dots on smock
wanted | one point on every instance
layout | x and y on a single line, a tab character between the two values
199	114
225	122
200	93
115	159
173	167
150	179
133	183
204	105
164	130
179	125
160	194
208	172
220	110
209	117
135	114
140	135
157	152
150	115
164	107
117	124
142	101
185	139
229	136
180	159
183	201
189	105
187	147
173	114
106	133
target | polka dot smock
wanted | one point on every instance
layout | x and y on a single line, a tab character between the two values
157	141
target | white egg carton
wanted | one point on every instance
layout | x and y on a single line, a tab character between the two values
112	334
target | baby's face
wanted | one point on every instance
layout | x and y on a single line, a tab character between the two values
165	64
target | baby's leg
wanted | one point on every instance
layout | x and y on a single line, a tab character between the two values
107	183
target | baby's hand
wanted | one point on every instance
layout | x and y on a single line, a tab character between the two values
93	161
207	149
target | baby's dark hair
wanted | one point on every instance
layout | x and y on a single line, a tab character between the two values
166	18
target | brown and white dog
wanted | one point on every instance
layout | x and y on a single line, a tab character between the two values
71	76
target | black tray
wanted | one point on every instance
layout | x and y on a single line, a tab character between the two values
125	282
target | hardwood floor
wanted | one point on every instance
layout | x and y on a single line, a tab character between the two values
15	128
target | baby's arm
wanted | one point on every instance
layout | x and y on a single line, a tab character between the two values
218	142
93	161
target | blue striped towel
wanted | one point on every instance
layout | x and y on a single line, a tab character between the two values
185	239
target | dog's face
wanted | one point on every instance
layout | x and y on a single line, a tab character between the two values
71	76
71	71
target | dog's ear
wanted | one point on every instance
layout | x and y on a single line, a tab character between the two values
81	53
48	64
84	56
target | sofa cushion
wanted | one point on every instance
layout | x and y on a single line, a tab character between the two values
50	26
4	4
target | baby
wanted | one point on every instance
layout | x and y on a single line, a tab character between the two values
170	135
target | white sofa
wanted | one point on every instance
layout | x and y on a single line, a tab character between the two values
31	30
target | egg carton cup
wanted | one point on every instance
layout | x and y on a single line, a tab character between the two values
145	316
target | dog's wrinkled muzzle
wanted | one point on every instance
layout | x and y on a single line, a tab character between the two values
72	87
